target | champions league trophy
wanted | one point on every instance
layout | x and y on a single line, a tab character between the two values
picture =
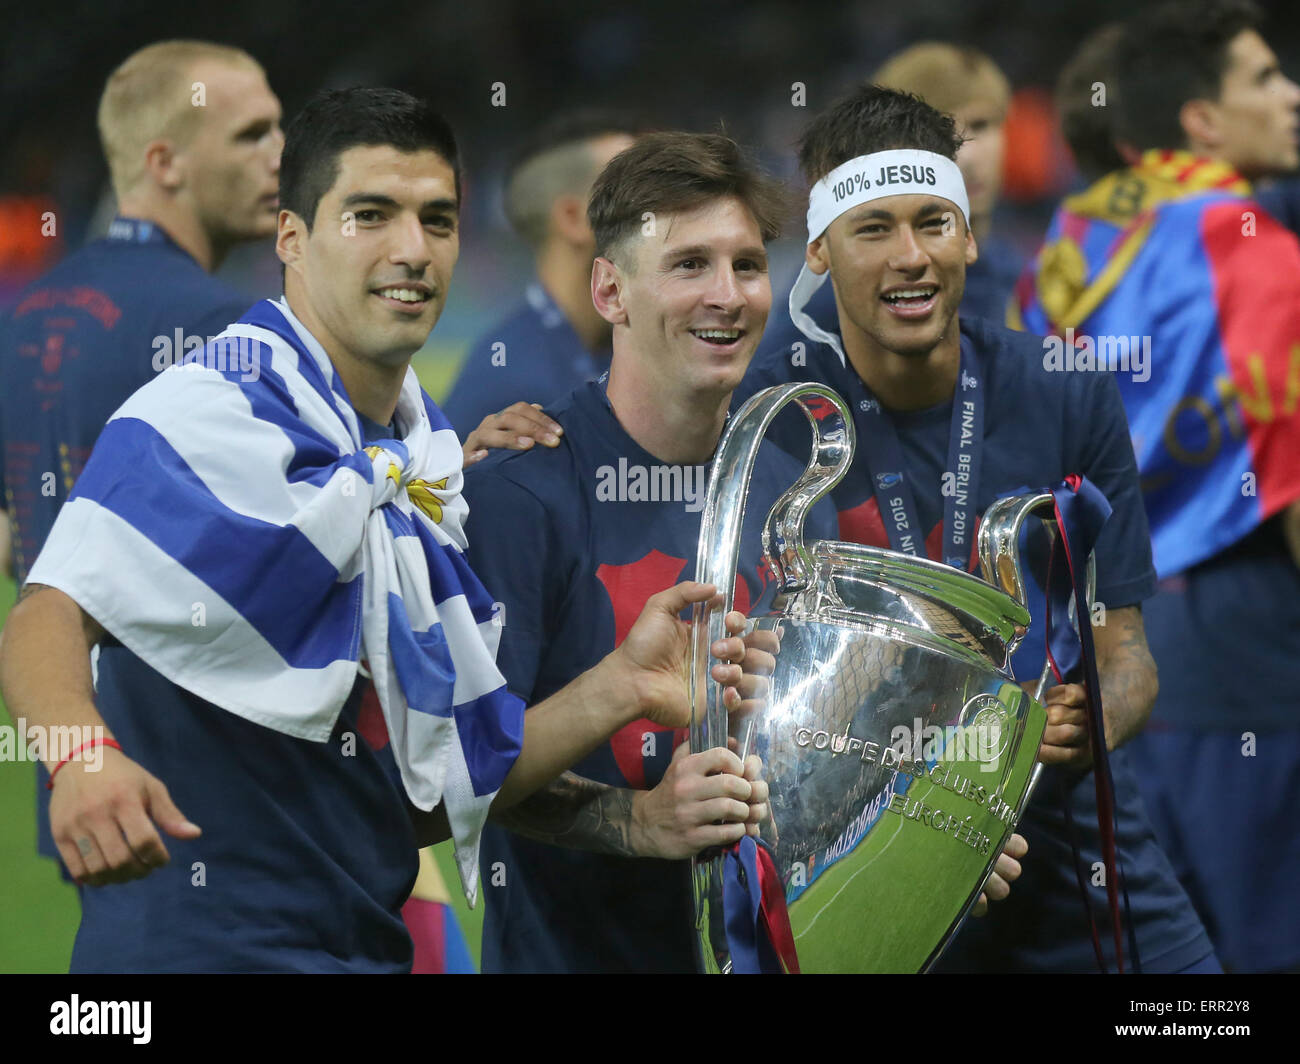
898	749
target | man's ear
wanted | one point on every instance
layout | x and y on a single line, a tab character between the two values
817	255
972	249
164	165
1200	122
290	238
607	290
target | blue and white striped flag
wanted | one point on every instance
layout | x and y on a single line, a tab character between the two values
238	537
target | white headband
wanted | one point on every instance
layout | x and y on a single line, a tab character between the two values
899	172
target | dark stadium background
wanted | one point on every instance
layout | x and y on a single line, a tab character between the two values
684	63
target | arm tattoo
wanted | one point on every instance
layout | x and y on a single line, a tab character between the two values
29	590
576	813
1127	673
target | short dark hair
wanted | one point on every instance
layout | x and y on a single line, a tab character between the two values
339	119
871	119
667	172
1171	54
1089	130
553	161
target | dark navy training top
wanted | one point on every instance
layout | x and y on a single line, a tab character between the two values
77	344
307	853
572	543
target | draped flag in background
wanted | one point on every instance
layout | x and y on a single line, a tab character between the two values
1169	275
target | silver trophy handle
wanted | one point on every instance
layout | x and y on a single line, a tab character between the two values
832	454
999	550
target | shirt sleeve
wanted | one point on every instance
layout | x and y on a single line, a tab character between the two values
514	550
1101	450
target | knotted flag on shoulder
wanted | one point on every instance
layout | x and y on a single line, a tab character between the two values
232	530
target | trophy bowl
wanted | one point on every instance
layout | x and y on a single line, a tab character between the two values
898	749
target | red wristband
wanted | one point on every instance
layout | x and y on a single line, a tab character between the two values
93	742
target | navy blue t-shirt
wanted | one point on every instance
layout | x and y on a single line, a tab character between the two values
565	540
78	343
989	284
1039	426
307	853
532	355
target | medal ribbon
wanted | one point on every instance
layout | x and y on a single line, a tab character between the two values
960	485
1081	511
754	912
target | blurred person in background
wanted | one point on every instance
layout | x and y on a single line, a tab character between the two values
1174	252
968	85
554	340
191	134
1087	123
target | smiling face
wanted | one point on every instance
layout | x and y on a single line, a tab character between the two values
1254	123
899	268
690	300
371	277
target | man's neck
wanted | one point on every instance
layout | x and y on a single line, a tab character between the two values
372	393
179	224
907	382
677	428
372	387
566	276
